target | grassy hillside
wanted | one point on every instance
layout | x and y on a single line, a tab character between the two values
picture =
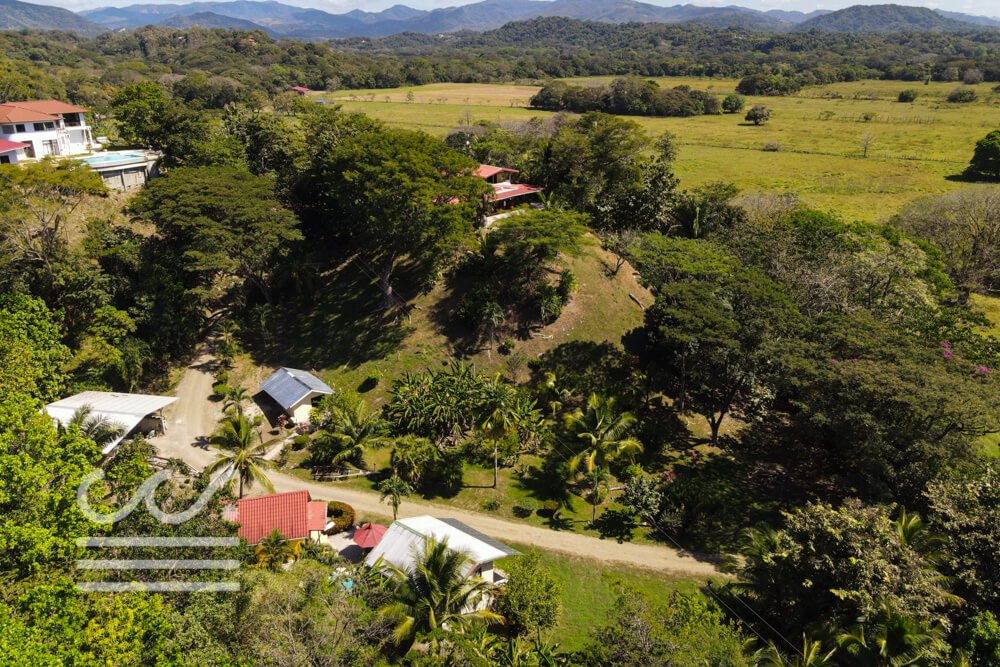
916	147
350	339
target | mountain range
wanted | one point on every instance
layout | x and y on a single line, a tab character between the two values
281	20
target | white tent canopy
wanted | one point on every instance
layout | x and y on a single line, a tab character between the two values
126	409
404	542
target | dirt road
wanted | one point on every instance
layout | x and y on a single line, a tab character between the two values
194	416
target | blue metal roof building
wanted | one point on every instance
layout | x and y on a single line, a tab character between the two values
294	390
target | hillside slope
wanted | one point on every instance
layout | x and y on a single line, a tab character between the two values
885	18
15	15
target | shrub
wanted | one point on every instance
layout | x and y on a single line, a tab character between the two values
220	389
771	147
972	76
222	377
962	95
567	285
869	116
300	442
491	505
985	164
733	103
908	95
342	516
758	115
506	347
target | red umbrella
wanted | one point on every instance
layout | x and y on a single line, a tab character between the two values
369	535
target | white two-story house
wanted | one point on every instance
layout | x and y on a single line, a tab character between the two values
43	127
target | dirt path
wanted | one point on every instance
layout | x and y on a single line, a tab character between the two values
195	415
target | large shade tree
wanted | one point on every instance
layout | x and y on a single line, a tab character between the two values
397	195
221	221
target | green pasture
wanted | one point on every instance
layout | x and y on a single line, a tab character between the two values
814	137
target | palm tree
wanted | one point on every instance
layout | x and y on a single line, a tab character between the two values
226	345
99	428
351	429
246	448
395	489
274	551
812	655
494	316
603	434
896	639
600	487
435	593
236	397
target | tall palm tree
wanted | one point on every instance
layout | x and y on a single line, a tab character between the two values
600	487
99	428
435	593
274	551
603	433
395	488
235	399
246	450
350	430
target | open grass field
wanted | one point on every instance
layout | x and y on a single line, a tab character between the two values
589	591
915	147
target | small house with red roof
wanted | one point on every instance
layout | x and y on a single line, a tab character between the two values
301	90
43	127
506	193
294	514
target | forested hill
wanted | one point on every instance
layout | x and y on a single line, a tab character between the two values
16	15
229	64
884	18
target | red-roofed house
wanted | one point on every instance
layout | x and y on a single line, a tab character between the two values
301	90
47	127
505	193
295	514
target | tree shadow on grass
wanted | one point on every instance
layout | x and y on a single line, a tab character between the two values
616	524
341	322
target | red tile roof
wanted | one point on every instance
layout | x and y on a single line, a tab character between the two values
7	146
301	89
24	112
502	191
295	514
488	170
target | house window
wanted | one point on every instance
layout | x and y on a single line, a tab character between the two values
20	128
8	129
4	159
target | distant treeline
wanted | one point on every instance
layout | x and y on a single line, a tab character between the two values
626	96
212	67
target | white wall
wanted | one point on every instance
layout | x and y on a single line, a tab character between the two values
69	141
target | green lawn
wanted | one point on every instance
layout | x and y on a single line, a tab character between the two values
589	591
916	146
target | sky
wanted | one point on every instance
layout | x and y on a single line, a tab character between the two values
981	7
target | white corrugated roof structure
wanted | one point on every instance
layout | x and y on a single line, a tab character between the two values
289	386
125	409
404	542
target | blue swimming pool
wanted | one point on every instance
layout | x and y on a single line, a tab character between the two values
112	157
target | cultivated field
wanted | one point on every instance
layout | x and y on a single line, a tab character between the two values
914	148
